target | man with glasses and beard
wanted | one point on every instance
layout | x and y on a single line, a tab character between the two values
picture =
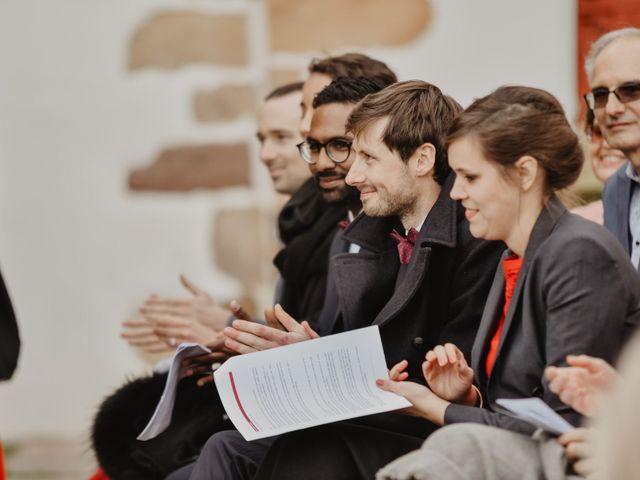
309	221
327	150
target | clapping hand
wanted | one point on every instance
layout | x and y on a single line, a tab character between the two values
139	332
448	375
581	384
247	337
200	307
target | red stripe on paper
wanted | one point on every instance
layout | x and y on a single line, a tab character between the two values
235	394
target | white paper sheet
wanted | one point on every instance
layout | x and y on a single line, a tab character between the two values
161	418
306	384
536	412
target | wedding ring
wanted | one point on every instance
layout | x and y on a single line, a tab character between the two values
173	341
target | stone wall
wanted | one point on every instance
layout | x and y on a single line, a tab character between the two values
175	39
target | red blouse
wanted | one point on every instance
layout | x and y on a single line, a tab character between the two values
511	268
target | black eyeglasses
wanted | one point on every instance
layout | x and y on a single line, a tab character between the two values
627	92
337	149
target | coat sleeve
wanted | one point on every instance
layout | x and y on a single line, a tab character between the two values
9	337
465	414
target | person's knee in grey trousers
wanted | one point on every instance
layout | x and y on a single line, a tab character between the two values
228	456
469	451
182	473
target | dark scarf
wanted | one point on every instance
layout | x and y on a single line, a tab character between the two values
307	225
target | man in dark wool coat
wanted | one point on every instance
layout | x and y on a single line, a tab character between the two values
307	224
419	275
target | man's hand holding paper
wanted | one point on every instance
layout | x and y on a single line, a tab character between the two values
301	386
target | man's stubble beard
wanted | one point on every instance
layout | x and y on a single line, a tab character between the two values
398	206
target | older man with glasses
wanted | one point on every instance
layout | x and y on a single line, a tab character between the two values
613	70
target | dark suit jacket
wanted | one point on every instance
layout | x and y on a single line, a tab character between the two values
307	225
577	293
616	198
328	316
440	299
9	338
442	295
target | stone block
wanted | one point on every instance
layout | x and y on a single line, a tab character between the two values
282	76
192	167
244	245
173	39
226	103
303	25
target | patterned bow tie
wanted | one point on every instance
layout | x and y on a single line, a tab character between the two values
405	245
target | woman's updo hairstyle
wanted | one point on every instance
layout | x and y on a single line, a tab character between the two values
515	121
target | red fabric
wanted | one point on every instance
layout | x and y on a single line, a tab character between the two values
511	268
344	223
405	245
99	475
3	474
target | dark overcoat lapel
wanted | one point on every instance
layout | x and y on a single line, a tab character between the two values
367	281
439	228
330	310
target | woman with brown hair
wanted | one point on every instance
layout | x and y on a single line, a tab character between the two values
564	286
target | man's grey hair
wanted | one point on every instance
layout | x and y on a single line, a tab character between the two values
602	42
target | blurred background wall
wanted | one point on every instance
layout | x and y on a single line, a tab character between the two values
127	154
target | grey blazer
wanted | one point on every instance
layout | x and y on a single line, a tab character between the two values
616	198
577	293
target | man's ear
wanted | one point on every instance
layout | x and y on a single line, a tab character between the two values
527	170
424	159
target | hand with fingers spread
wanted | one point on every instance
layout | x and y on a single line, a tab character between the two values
424	402
581	384
580	452
248	337
200	307
448	375
139	332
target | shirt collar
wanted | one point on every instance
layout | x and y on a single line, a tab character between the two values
631	173
418	228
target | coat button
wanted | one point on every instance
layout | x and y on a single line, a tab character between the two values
418	342
537	391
